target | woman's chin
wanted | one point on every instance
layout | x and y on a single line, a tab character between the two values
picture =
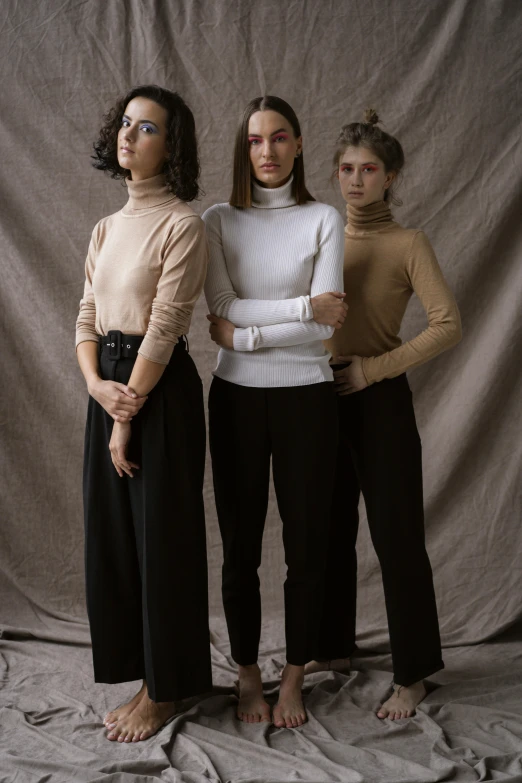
269	179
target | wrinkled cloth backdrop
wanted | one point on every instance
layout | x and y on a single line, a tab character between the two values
443	77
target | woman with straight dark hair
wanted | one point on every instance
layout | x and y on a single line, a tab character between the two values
379	445
274	293
145	436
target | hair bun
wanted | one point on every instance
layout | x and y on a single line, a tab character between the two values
371	117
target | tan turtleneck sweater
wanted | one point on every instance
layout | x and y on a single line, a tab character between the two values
384	264
145	270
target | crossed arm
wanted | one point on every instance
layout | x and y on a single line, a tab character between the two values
250	324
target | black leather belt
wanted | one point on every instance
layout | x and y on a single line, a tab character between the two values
116	345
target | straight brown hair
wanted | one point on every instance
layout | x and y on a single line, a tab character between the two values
241	196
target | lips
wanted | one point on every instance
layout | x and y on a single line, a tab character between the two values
126	149
270	166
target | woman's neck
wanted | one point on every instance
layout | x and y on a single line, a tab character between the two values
273	198
147	193
372	217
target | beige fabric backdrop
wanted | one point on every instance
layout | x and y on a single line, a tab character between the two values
443	76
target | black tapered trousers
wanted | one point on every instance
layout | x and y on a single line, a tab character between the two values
145	546
379	454
297	428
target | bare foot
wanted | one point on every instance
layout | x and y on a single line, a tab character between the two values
403	701
335	665
145	719
123	710
252	707
289	711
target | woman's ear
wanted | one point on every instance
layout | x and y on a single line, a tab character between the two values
299	149
390	176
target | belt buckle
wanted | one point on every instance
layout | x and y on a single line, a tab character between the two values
114	345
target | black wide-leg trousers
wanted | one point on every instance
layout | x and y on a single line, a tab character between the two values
297	427
145	546
380	453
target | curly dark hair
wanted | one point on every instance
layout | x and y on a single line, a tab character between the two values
382	144
182	167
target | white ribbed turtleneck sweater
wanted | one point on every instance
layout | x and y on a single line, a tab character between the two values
265	264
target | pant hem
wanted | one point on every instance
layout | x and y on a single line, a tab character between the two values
117	680
420	674
324	659
183	694
243	663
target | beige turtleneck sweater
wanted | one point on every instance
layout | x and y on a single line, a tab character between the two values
384	264
145	270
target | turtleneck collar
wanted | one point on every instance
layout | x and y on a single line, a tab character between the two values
147	194
373	217
273	198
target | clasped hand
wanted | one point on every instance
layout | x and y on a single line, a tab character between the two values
120	401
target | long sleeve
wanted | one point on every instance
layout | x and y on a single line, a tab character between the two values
185	257
327	276
223	301
444	326
86	321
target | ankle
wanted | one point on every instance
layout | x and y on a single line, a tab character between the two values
249	672
418	684
292	673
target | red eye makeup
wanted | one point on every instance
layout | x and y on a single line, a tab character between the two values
366	167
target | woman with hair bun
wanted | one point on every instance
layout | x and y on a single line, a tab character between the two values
379	446
145	435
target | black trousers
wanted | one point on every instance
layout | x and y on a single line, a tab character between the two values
146	566
297	426
380	454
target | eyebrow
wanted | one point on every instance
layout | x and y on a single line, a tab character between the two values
274	133
368	163
126	117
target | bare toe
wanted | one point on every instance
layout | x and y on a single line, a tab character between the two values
121	712
289	711
115	734
252	707
403	701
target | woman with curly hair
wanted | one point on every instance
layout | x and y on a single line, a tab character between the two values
379	445
145	434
